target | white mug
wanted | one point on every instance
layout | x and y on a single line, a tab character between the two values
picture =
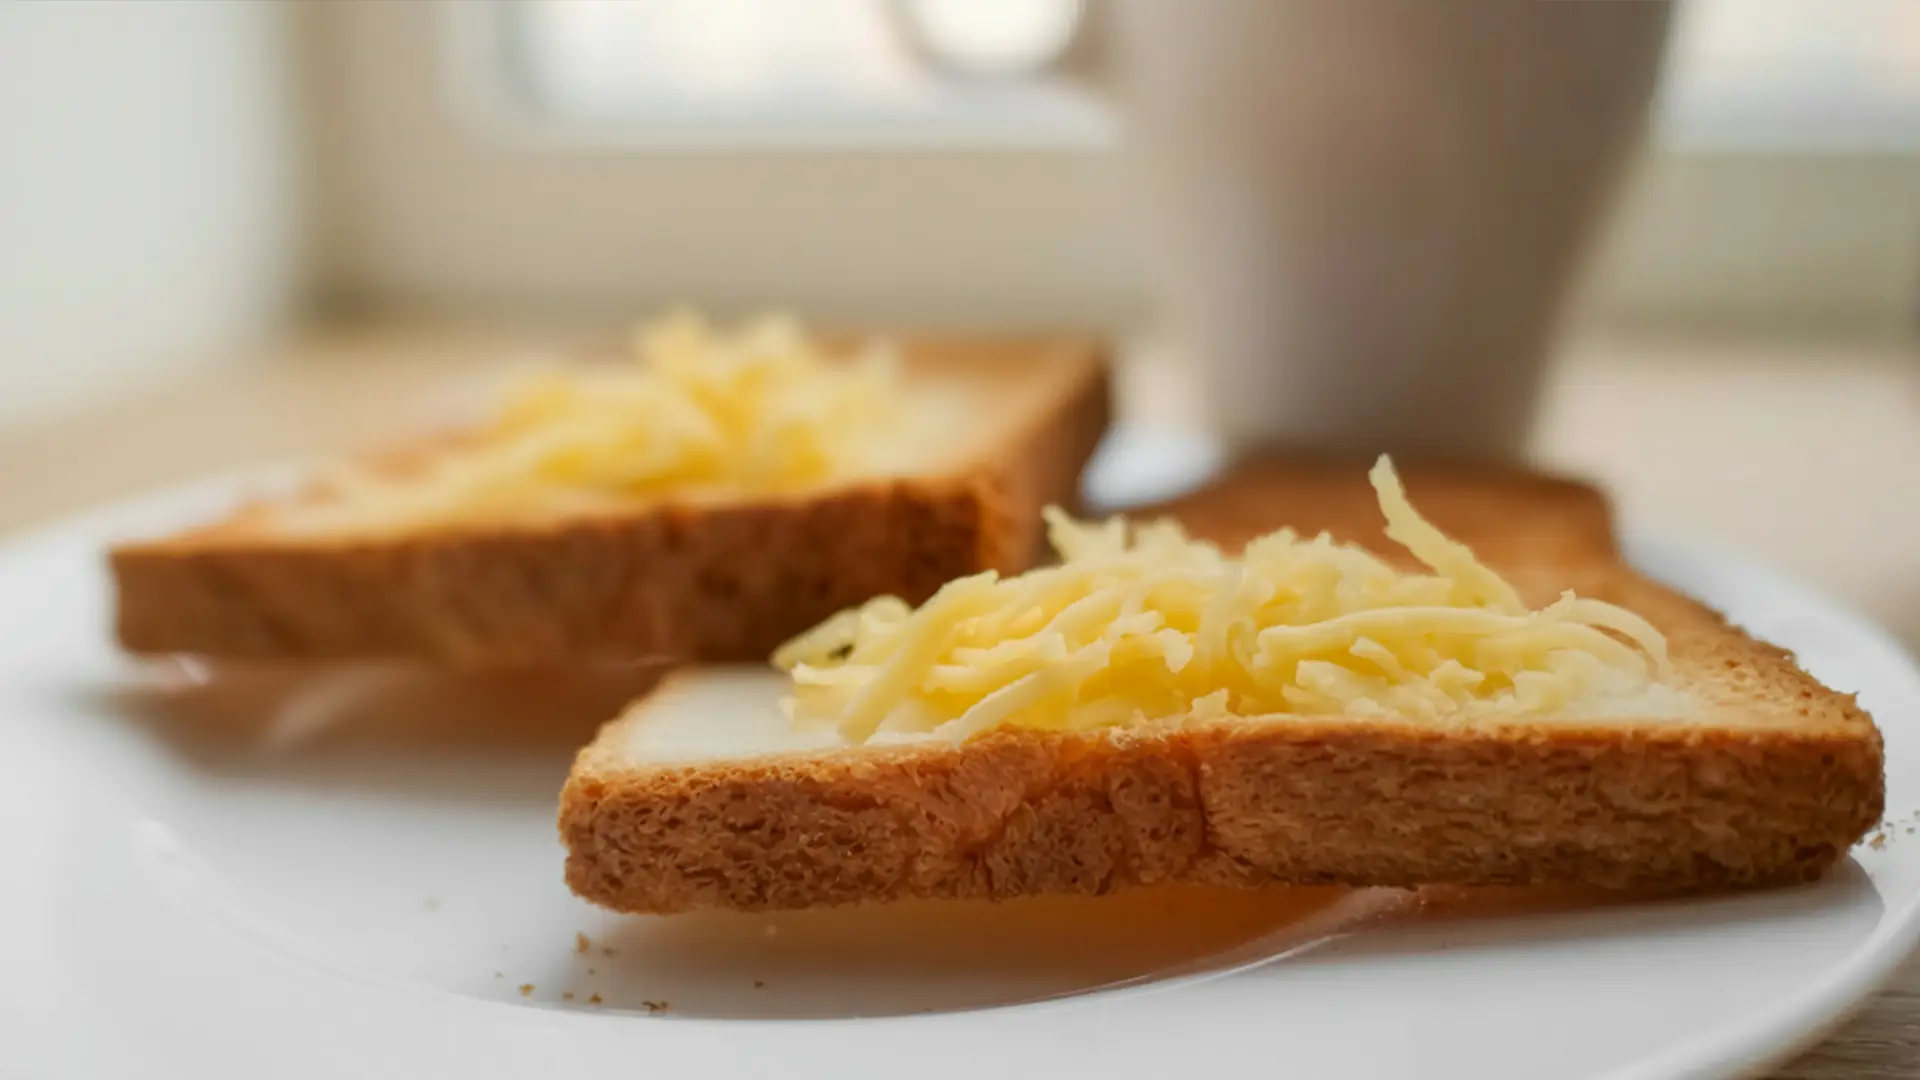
1369	213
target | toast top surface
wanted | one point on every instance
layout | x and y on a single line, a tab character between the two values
1734	684
979	396
1506	515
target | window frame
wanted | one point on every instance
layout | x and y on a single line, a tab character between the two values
440	192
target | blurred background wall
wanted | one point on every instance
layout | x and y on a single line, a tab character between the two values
184	180
151	196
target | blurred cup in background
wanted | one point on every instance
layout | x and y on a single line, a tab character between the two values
1367	214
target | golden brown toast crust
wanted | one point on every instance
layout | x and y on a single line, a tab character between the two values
668	581
1780	788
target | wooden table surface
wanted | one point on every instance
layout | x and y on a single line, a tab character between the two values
1804	455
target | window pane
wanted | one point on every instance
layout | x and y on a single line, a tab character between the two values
708	60
1771	74
1791	74
590	55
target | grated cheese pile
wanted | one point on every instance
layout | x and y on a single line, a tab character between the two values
1141	623
760	410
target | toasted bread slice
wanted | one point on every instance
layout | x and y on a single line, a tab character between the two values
703	796
693	579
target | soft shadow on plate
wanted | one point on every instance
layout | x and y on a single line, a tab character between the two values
917	957
939	956
411	729
1455	919
504	742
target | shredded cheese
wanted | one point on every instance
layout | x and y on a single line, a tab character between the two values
1139	623
760	410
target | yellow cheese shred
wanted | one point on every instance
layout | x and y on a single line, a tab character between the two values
1139	623
759	410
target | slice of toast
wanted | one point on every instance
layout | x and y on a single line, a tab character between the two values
703	796
694	579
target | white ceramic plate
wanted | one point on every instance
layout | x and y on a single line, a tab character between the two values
356	874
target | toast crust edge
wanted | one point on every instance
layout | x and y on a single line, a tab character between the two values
1284	805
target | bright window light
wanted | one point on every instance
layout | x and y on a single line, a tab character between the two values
993	37
1743	74
786	70
1795	75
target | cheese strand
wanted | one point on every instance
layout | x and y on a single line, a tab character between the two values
1139	623
760	410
